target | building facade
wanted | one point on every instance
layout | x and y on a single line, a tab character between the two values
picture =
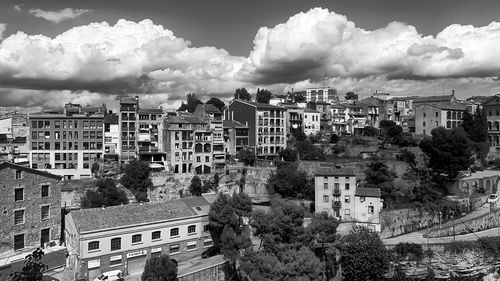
124	237
31	208
235	137
312	124
429	116
112	147
127	117
149	141
210	114
322	95
67	141
492	109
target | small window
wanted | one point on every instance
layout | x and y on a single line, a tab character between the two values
325	185
116	244
45	191
347	199
362	199
325	179
371	209
325	198
346	178
18	241
437	114
45	210
18	217
93	246
347	212
19	194
115	261
191	229
347	186
19	174
137	238
207	243
156	235
206	228
174	232
192	246
423	123
175	248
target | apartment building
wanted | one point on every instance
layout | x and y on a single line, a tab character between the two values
339	115
124	237
324	108
374	110
67	141
14	125
14	150
357	118
324	94
235	137
429	116
31	206
336	193
294	118
312	123
112	147
432	99
149	140
266	123
492	109
210	114
127	117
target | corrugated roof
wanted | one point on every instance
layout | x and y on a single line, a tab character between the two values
368	192
335	172
95	219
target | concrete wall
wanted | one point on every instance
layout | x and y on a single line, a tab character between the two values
213	273
397	222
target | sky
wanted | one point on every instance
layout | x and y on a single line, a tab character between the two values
93	51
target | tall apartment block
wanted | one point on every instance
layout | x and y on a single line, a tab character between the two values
149	135
235	137
67	141
209	113
322	95
127	117
112	145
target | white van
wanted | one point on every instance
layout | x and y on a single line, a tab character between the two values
114	275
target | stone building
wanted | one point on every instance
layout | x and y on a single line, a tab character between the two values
30	206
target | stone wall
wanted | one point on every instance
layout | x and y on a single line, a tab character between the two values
401	221
213	273
487	221
167	185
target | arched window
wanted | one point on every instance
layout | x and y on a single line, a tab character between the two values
454	115
207	148
198	147
448	124
489	125
454	124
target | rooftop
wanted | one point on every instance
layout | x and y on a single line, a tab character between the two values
262	105
335	172
150	110
111	118
209	108
368	192
98	219
447	105
5	165
232	124
310	110
435	99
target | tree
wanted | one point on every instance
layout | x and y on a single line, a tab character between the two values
195	188
323	228
220	105
263	96
363	256
351	96
309	151
476	127
334	138
136	179
191	103
288	154
299	135
370	131
107	194
290	182
378	175
449	151
242	94
94	168
33	268
408	157
389	130
247	157
160	268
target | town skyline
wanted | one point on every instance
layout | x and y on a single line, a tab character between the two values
88	54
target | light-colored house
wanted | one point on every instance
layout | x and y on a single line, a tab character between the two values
312	122
429	116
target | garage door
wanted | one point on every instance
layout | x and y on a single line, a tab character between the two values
136	265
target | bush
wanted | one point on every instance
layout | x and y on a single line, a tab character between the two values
411	251
359	141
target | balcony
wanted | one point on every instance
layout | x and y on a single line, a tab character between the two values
336	205
336	191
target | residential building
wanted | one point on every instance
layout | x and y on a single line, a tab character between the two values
323	94
311	121
429	116
492	109
149	140
294	118
336	193
14	150
127	118
357	118
373	109
431	99
112	147
124	237
324	108
235	137
266	124
212	115
67	141
14	125
340	117
31	206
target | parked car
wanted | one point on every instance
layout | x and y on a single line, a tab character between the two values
210	252
114	275
493	198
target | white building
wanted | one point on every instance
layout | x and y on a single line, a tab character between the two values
322	94
111	137
312	122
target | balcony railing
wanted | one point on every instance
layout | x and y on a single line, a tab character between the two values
336	191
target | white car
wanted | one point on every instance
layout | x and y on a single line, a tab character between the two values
114	275
493	198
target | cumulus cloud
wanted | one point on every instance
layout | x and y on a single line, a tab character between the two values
319	44
56	16
18	7
3	27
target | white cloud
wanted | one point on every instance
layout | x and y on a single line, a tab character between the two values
18	7
3	27
57	16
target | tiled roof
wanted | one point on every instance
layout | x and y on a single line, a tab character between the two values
176	119
447	105
150	110
368	192
232	124
262	105
310	110
335	172
5	165
95	219
434	99
210	108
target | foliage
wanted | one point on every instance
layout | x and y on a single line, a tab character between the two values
160	268
263	96
192	102
309	151
389	130
363	256
411	251
476	125
426	190
195	188
449	151
33	268
299	135
408	157
288	154
289	182
220	105
351	96
242	94
297	97
370	131
323	227
378	175
489	245
94	168
247	157
136	178
107	194
334	138
405	140
357	140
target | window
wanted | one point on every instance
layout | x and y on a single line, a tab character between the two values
45	210
19	174
93	246
115	260
336	185
18	241
424	114
155	235
347	187
191	229
371	209
136	238
347	212
45	191
437	114
192	246
175	248
362	199
18	217
347	199
116	244
325	185
346	178
207	242
206	228
423	123
174	232
19	194
325	198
